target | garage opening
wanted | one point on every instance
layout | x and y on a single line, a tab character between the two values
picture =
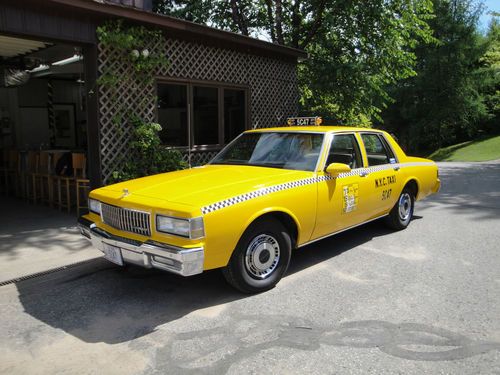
44	114
43	123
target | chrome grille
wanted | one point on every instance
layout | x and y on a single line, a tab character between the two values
126	219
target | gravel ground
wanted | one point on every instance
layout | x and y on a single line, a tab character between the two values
425	300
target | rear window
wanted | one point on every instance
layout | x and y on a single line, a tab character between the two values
377	150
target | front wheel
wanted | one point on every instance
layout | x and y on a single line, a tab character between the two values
402	212
261	257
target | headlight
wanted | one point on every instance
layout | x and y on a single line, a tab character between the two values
189	228
95	206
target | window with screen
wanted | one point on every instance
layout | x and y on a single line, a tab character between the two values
172	114
234	113
344	149
218	114
205	115
377	151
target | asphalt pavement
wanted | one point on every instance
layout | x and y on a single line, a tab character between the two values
425	300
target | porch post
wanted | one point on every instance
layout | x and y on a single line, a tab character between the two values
93	134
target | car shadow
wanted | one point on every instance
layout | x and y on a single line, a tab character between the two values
100	302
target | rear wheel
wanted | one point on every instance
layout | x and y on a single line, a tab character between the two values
261	257
402	212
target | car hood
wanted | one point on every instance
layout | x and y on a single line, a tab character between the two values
202	186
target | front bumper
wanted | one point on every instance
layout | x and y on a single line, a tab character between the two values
149	254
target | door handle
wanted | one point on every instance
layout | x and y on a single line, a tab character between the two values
363	174
397	168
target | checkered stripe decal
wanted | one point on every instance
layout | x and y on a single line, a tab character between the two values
258	193
306	181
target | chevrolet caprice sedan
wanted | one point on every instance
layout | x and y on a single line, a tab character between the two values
268	192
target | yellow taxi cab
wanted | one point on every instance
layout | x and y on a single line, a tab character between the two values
266	193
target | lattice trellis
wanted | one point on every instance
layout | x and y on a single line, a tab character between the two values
272	83
199	157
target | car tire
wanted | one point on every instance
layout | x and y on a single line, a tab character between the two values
261	257
402	212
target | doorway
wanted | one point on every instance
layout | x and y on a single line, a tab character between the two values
43	123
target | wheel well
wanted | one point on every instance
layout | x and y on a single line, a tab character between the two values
413	185
286	220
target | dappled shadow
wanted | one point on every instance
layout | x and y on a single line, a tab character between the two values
99	302
28	227
468	189
19	215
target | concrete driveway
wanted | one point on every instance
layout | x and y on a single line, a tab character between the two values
35	238
425	300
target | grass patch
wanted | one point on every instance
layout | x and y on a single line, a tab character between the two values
481	150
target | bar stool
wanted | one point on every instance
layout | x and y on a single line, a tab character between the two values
43	179
82	183
54	157
28	177
11	172
79	180
4	171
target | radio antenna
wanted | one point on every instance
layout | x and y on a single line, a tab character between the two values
189	134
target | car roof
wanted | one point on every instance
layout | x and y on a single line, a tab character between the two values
312	129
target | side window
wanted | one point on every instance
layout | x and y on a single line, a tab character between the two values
344	149
377	150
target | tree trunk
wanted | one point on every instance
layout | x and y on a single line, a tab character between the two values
279	22
318	20
238	17
270	19
296	29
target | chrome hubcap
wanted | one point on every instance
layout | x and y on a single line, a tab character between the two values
405	207
262	256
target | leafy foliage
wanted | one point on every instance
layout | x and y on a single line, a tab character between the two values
419	68
443	104
146	155
355	48
368	46
132	42
490	74
149	156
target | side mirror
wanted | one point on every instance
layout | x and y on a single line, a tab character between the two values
335	169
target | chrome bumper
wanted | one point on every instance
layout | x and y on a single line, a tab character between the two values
149	254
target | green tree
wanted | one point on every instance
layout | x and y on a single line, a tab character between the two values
355	48
490	71
443	104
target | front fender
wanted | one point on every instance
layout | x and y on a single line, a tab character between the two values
224	227
277	209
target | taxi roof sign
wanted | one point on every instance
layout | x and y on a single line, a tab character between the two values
304	121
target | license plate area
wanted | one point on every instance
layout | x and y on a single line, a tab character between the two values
112	253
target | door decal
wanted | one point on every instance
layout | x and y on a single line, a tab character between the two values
349	198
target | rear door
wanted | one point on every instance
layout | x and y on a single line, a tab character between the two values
382	173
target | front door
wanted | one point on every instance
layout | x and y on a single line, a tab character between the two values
341	200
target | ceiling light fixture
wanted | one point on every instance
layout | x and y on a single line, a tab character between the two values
40	68
69	60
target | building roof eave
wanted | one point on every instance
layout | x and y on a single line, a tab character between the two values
178	27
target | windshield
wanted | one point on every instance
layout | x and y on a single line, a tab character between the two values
298	151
